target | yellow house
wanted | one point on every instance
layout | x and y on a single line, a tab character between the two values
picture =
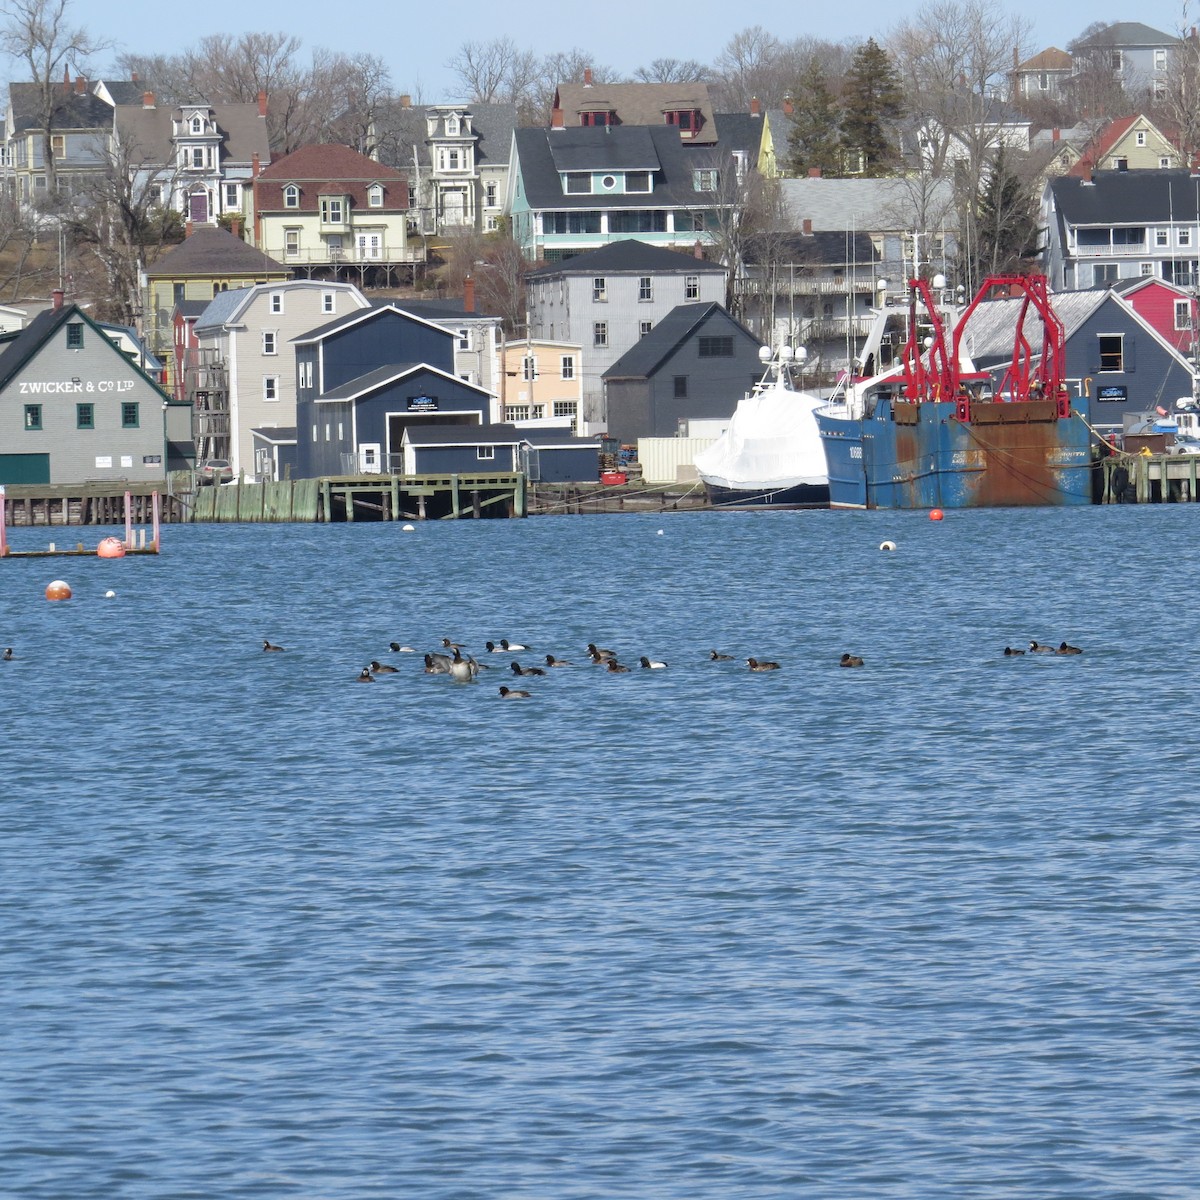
542	381
1129	144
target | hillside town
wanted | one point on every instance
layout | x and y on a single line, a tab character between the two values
229	263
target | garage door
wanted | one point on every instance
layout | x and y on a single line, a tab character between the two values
24	468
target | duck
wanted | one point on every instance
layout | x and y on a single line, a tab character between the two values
651	664
509	647
760	665
1065	649
451	645
614	667
715	657
461	669
437	664
267	646
514	693
492	648
517	669
1009	652
1038	648
378	668
9	655
365	676
551	661
396	648
850	660
598	654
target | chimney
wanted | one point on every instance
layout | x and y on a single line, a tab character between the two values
262	103
556	118
56	298
1016	59
814	172
469	294
587	76
698	251
1055	134
147	99
405	100
807	226
80	85
187	229
235	226
255	168
755	107
67	78
788	107
133	77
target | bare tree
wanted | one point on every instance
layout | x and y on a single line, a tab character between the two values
748	68
1179	103
485	69
39	34
672	70
495	263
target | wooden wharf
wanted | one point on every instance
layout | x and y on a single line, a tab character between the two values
148	508
1150	479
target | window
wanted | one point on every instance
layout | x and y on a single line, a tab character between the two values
270	387
716	347
327	302
529	367
291	243
637	181
599	289
1183	314
333	210
1104	273
485	453
1120	164
1160	237
1160	60
568	366
1164	163
306	374
33	416
645	288
291	196
1140	137
197	125
197	156
704	180
600	333
644	328
277	302
1043	81
375	196
1146	269
516	412
269	345
452	124
464	339
602	116
578	184
1115	61
489	195
1184	237
1112	357
233	199
680	387
85	414
75	335
58	145
129	415
691	287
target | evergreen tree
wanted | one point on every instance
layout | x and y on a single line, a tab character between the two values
1006	221
872	105
814	138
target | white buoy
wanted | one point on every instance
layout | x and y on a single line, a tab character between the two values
887	545
109	594
660	533
409	528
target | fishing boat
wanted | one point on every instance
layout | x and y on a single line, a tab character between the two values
918	425
771	455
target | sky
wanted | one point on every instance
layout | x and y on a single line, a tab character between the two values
622	34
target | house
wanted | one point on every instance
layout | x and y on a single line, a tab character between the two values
572	190
209	261
1120	225
989	124
1171	311
198	158
554	456
1137	55
333	213
542	383
816	289
364	378
74	408
775	144
1041	78
466	155
545	455
608	299
241	377
183	342
696	363
685	108
1128	143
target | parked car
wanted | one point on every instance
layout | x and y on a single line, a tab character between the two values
214	470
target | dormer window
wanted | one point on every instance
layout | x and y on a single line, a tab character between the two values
578	183
602	116
291	196
637	181
333	210
705	179
197	125
452	125
687	119
375	195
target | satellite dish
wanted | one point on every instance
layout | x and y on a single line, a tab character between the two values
786	354
939	281
764	354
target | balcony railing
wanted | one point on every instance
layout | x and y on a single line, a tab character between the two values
784	285
353	255
1135	250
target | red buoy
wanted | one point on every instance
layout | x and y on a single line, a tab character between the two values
58	589
111	547
936	514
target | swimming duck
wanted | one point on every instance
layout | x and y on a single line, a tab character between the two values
378	668
267	646
492	648
517	669
650	664
1038	648
365	676
9	655
1065	649
514	694
509	647
614	667
396	648
551	661
1009	652
451	645
461	669
757	665
850	660
437	664
712	654
598	654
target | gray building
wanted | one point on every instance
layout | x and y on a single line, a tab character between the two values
74	408
609	299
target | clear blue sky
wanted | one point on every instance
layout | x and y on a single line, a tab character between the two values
624	34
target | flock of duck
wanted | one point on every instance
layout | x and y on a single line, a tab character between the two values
1042	648
465	668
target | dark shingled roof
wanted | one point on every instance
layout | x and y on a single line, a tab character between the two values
380	376
1127	198
629	255
463	435
214	252
644	356
71	109
365	314
282	435
817	249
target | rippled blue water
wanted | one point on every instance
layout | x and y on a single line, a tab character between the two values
924	929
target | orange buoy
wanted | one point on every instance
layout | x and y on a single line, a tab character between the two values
110	547
936	514
58	589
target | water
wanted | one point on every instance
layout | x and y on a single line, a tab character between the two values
924	929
